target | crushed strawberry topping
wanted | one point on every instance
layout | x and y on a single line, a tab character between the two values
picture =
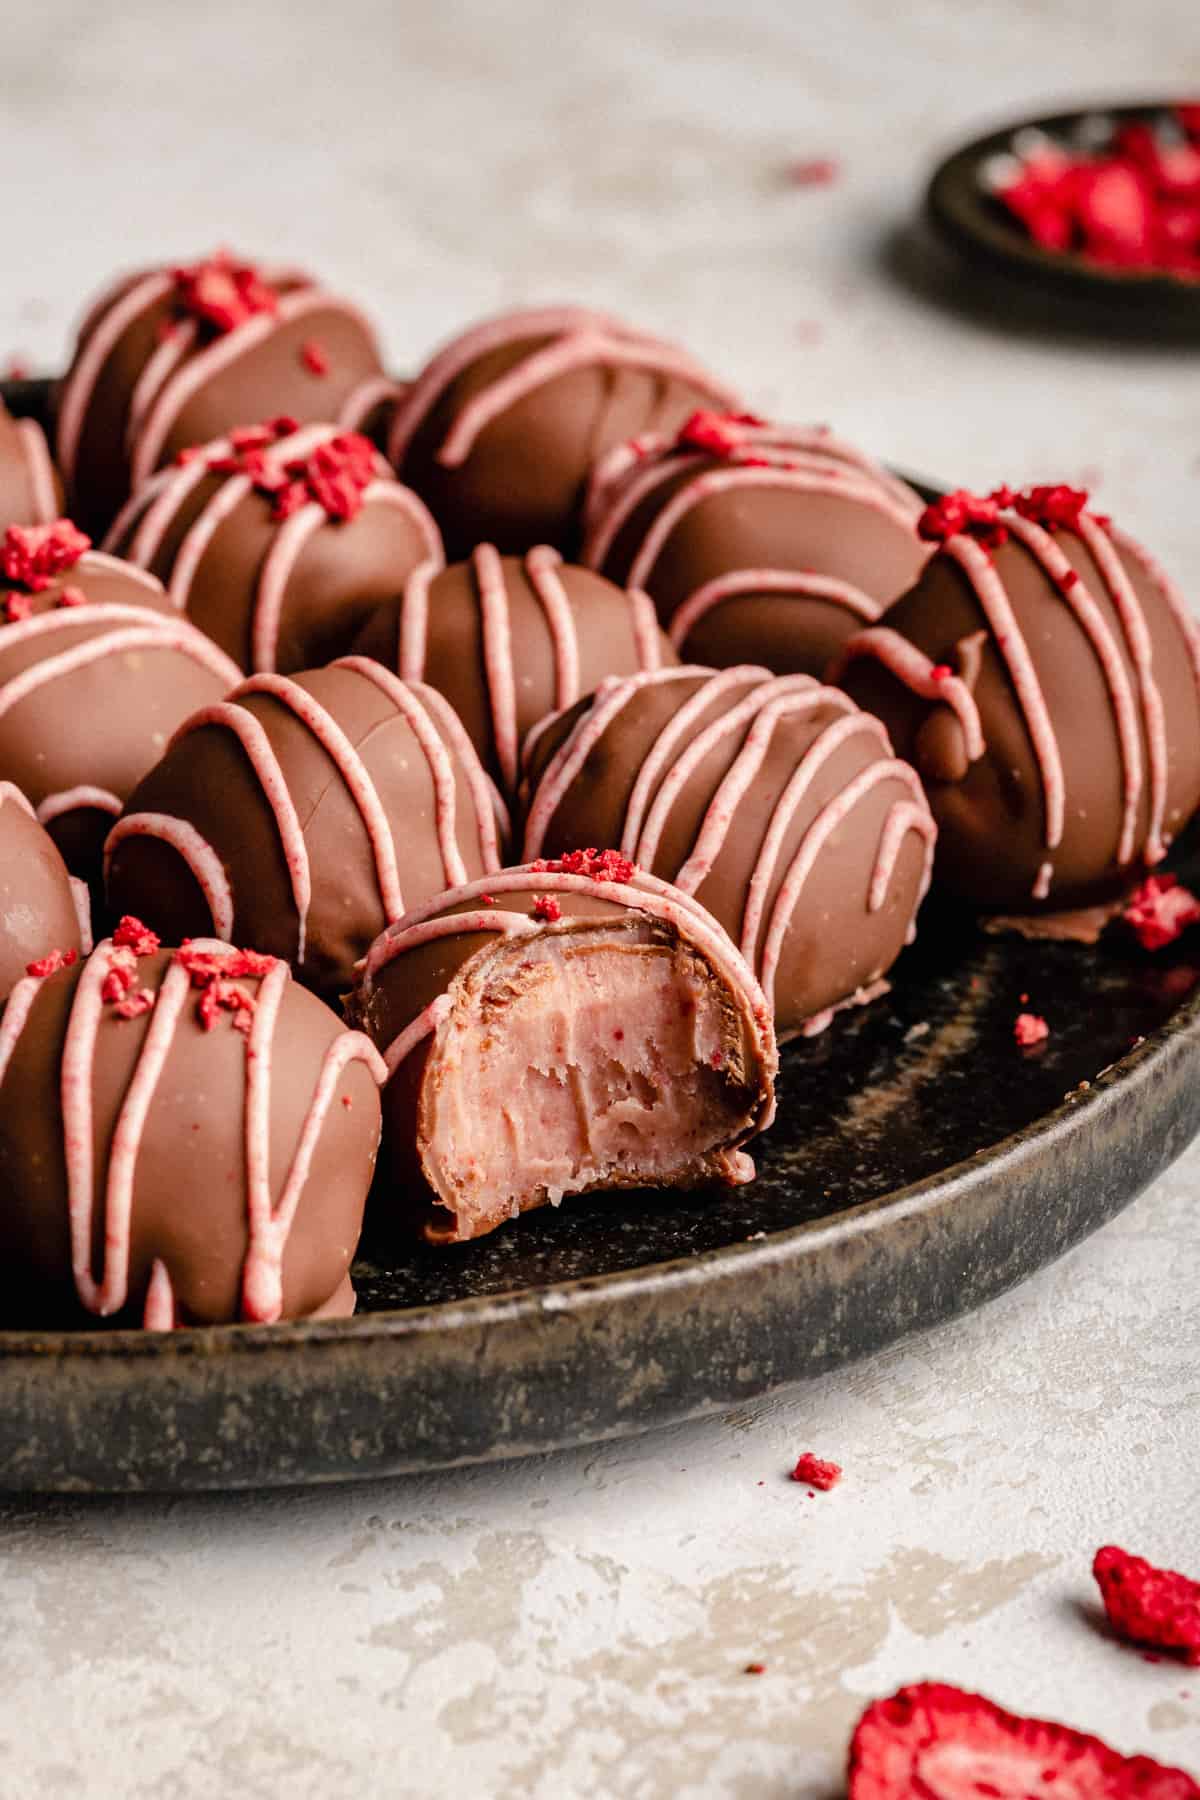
816	1473
51	963
596	865
31	556
335	475
719	433
546	907
17	607
1160	910
933	1739
314	358
1148	1605
131	934
221	293
963	513
1132	205
940	672
215	974
1030	1029
72	596
1049	506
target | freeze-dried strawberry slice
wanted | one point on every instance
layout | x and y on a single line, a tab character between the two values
1149	1606
1115	211
938	1743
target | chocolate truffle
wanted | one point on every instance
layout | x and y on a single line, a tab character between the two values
557	1029
777	803
30	491
509	639
1042	676
499	431
758	543
177	356
96	671
186	1138
43	913
280	544
302	816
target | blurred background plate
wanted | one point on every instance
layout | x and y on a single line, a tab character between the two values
978	228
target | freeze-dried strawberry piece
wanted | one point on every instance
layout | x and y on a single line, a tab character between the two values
1115	210
1157	1607
817	1473
1160	910
939	1743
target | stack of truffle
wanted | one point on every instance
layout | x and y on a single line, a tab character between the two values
461	854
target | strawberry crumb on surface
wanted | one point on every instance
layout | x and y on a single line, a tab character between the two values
813	171
755	1668
314	358
1030	1029
931	1739
1160	910
1148	1605
546	908
816	1473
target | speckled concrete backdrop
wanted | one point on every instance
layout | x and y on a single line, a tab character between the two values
578	1626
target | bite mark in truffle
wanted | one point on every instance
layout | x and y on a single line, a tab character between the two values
580	1034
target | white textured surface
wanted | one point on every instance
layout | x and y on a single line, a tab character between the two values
578	1625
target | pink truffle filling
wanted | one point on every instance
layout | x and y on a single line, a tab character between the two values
604	1057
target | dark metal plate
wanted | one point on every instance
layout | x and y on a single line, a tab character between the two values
975	225
921	1164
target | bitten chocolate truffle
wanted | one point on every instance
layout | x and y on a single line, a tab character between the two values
556	1029
186	1138
30	491
509	639
172	357
301	816
1043	677
96	671
758	543
43	913
775	802
279	543
499	431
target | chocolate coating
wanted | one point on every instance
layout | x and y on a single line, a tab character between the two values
347	796
30	489
500	430
90	693
486	970
509	639
780	807
995	801
275	592
191	1195
38	911
757	543
151	375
